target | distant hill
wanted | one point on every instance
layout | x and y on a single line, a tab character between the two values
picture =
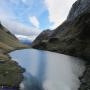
26	42
24	39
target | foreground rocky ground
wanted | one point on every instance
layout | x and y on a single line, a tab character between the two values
71	38
11	74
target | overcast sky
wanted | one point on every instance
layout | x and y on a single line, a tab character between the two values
30	17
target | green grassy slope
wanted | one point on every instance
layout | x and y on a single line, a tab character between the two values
11	74
8	41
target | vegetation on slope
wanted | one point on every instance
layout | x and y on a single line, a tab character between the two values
11	74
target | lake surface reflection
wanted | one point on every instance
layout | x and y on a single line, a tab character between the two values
48	71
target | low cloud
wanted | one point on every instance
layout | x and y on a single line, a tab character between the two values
18	28
21	31
34	21
22	37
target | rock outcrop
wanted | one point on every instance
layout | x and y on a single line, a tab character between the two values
71	38
11	74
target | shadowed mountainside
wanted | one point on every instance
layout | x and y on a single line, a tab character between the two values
72	37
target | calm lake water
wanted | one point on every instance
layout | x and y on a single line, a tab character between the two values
48	71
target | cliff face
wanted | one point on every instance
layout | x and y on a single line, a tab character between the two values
10	71
71	38
78	8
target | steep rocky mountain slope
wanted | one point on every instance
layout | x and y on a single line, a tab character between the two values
72	37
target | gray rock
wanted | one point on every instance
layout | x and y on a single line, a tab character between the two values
79	7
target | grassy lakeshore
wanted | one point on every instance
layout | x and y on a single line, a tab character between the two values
11	74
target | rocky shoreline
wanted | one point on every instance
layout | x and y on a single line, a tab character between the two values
85	79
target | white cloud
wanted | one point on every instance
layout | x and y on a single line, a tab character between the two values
34	21
18	28
22	37
58	10
11	22
21	31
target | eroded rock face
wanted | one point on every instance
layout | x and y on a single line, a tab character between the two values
79	7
